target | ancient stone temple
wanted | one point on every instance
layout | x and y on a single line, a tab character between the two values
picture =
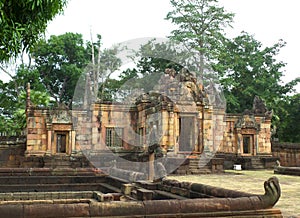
188	121
179	120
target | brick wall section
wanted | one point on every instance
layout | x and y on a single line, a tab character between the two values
288	153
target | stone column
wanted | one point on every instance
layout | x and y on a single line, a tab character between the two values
73	141
151	166
255	144
171	129
176	133
49	141
208	128
239	141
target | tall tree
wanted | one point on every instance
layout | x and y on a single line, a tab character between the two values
201	25
60	61
23	22
94	73
98	81
246	69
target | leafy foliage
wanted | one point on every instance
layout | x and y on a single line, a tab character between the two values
152	59
13	98
289	116
23	22
247	69
60	61
201	25
109	63
155	57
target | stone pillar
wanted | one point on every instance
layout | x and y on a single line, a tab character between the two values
255	144
151	166
208	128
198	147
171	129
49	141
73	142
239	141
176	133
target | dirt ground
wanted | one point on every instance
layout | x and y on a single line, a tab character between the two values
252	182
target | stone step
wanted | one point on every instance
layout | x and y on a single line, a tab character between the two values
257	163
27	180
200	171
198	167
258	166
110	188
64	171
51	187
23	196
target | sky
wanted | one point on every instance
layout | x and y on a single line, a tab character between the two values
121	20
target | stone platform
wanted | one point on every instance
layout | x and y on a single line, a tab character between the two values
90	193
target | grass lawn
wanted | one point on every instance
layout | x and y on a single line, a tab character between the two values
253	182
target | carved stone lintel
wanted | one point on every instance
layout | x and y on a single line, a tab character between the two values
247	121
60	116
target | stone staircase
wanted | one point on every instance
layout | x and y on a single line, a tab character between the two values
66	161
256	163
57	161
49	180
199	166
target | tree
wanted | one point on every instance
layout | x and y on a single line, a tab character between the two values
201	25
11	90
155	57
289	116
60	61
244	67
151	60
23	22
109	64
98	82
13	98
247	69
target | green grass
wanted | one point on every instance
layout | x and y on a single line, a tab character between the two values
252	182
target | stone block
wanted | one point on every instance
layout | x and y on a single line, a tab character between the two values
180	191
144	194
56	210
117	209
12	210
99	196
126	188
107	197
162	207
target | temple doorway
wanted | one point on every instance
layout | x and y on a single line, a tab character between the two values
61	142
248	144
186	133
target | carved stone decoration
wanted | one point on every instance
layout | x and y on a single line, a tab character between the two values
175	88
259	106
60	116
247	121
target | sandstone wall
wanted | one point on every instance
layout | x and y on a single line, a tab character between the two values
12	151
288	153
36	131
